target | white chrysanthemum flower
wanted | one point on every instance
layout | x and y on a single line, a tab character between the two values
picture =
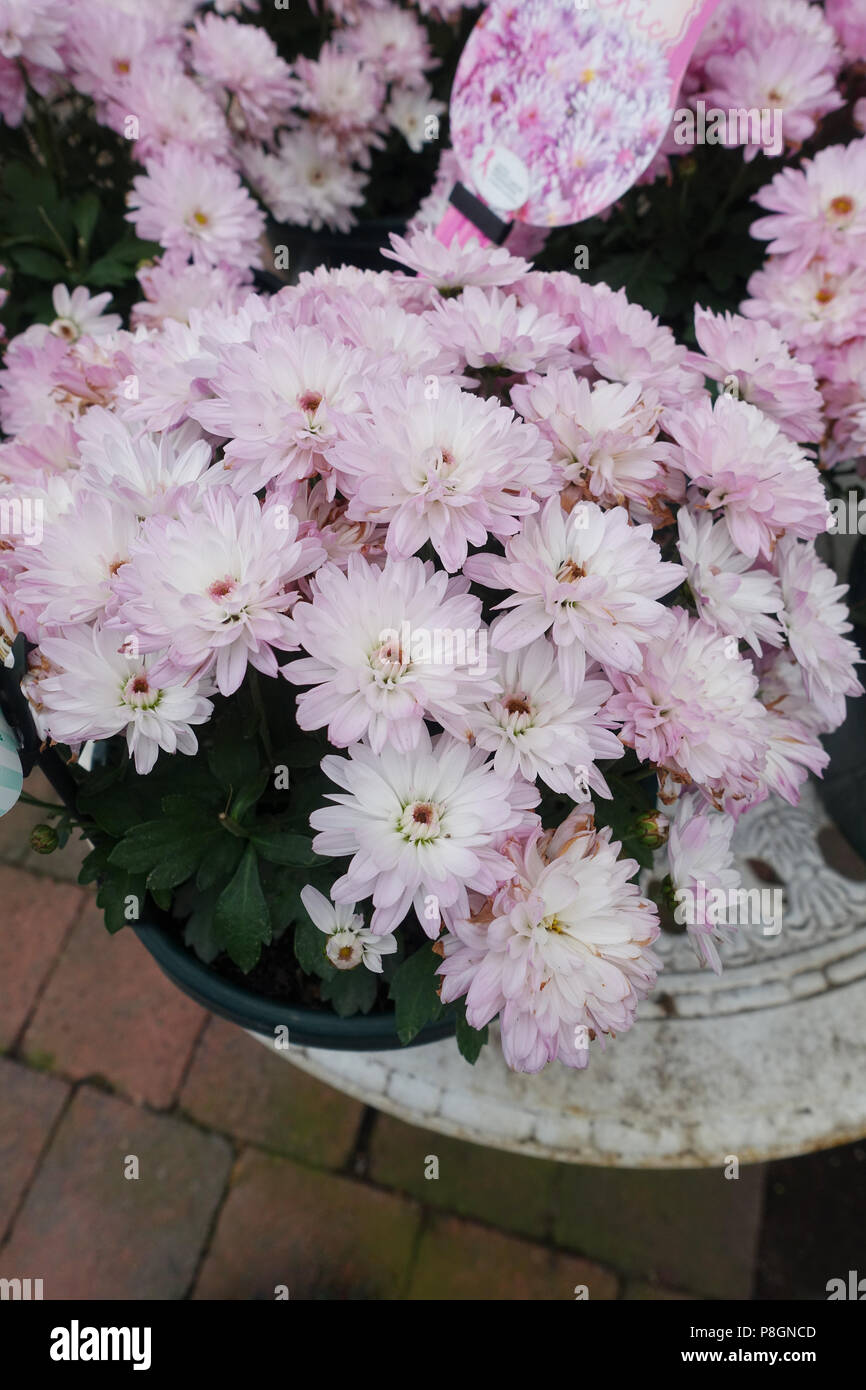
729	593
451	268
349	942
94	690
149	472
700	863
562	952
387	648
79	313
815	621
491	329
422	828
537	728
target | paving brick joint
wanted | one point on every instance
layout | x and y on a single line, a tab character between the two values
148	1151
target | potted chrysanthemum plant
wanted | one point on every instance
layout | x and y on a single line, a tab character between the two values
385	629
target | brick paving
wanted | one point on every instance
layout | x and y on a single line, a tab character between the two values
148	1151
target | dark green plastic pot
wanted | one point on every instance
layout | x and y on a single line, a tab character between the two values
306	1027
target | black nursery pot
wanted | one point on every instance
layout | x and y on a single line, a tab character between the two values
306	1027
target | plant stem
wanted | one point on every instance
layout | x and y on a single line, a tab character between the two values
34	801
259	705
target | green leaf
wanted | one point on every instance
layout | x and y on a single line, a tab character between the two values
31	261
242	922
219	861
113	809
114	895
469	1040
199	932
413	990
85	214
108	270
168	851
310	950
351	991
233	761
250	793
282	847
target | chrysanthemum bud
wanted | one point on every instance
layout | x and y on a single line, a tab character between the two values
43	839
652	829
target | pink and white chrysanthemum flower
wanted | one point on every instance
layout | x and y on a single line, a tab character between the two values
625	342
147	472
693	712
793	752
386	648
325	519
491	329
604	435
589	578
93	691
307	181
400	341
535	727
171	110
752	356
793	80
452	268
815	620
80	312
211	587
410	109
173	286
815	310
444	467
701	867
283	401
349	942
562	952
242	60
195	204
391	41
818	210
344	98
759	480
421	827
70	575
732	596
849	21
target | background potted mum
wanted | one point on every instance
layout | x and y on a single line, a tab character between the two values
392	601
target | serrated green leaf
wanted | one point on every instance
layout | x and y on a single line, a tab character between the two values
242	924
283	847
469	1040
118	894
167	851
250	793
199	932
219	862
108	271
351	991
30	260
414	991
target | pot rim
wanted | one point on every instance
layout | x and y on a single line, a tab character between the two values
258	1014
